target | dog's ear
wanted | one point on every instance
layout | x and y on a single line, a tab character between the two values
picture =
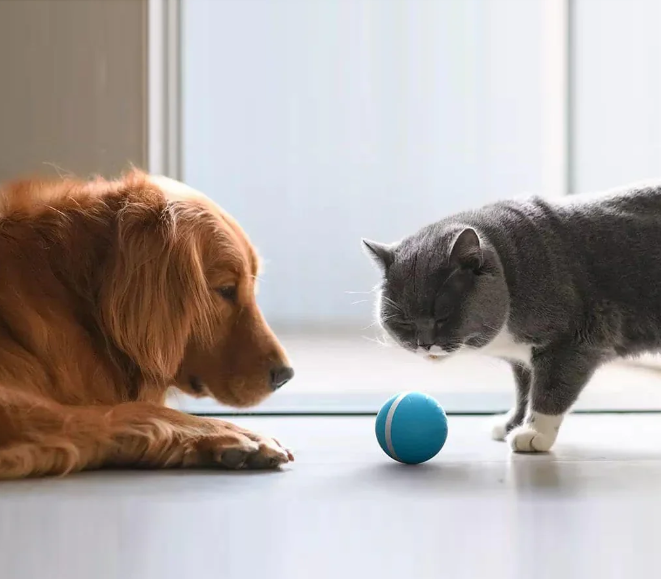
155	293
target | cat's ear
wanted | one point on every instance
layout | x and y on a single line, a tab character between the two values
383	254
467	250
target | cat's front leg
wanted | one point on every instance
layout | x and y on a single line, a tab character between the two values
504	424
559	374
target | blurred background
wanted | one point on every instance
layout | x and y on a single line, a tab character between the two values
318	122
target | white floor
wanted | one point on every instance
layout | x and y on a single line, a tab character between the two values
343	509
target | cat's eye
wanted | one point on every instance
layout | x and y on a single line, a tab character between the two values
402	325
227	292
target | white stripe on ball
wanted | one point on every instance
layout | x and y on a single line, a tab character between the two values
391	415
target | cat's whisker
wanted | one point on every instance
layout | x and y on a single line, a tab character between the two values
381	342
395	305
382	319
374	289
376	322
491	328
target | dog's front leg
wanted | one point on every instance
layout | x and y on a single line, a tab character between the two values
49	439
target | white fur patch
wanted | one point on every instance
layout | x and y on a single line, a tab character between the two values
434	354
537	434
499	425
504	346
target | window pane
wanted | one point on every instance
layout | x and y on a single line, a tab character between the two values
617	91
318	122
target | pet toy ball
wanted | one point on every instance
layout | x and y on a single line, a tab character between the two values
411	427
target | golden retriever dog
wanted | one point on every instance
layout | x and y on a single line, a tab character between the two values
111	292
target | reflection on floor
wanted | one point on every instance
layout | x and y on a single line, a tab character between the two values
344	509
347	370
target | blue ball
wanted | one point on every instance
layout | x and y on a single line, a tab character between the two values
411	427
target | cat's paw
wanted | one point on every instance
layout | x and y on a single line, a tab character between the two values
503	424
526	439
499	429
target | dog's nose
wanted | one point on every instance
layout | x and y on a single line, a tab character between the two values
280	376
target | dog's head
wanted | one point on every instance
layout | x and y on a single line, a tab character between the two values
179	296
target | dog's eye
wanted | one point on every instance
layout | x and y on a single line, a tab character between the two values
228	292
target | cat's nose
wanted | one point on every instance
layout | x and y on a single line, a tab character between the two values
425	334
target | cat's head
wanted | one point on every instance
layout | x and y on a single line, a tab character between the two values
443	290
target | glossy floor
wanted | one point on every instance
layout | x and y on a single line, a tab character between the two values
591	509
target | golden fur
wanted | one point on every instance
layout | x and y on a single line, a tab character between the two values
109	295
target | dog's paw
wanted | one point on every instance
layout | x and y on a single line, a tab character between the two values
235	449
526	439
270	453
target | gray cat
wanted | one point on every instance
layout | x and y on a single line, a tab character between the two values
557	288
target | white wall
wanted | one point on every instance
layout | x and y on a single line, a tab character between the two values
316	122
617	92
